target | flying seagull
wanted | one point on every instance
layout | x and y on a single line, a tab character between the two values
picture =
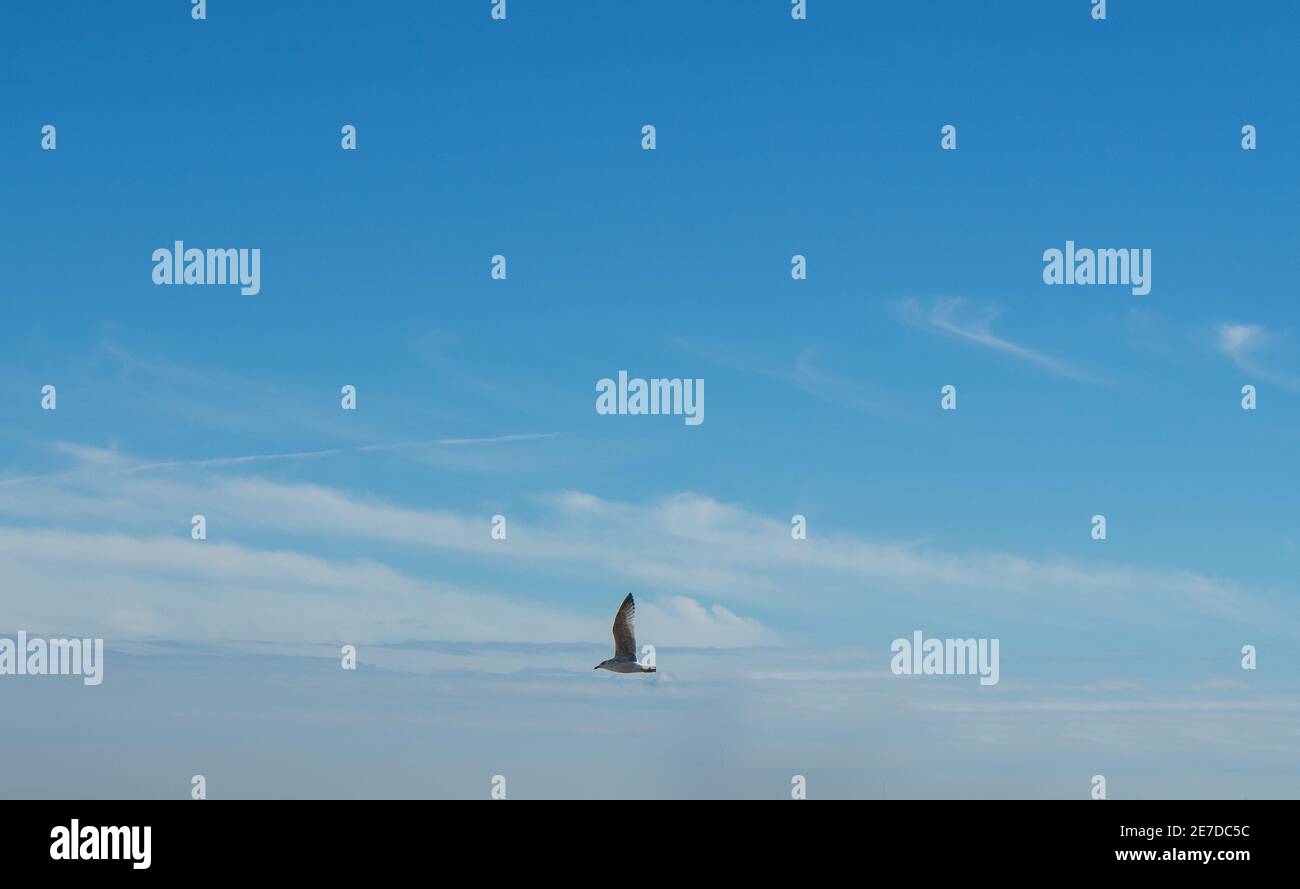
624	659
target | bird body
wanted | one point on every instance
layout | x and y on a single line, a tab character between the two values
616	666
624	659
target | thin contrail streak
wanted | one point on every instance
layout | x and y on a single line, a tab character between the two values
255	458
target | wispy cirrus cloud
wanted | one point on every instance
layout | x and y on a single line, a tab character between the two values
1248	346
954	317
461	637
803	373
704	560
168	587
103	460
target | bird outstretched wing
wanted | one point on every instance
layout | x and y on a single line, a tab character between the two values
625	630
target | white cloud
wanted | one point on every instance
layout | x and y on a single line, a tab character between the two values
1246	345
123	553
148	587
943	317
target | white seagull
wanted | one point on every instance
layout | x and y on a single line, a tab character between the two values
624	659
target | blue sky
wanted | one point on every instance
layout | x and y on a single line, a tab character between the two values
476	396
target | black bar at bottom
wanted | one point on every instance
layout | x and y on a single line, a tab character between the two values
357	838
